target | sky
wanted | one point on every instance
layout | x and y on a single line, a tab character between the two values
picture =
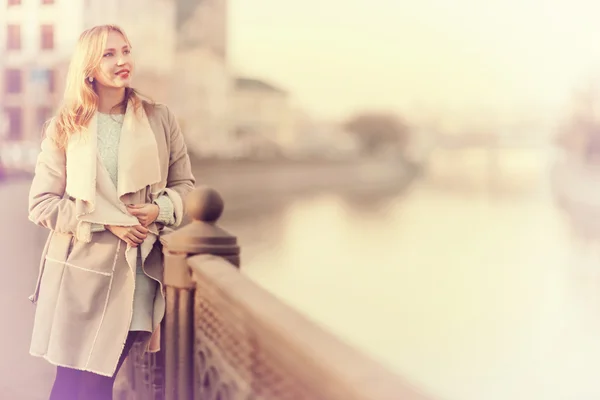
501	58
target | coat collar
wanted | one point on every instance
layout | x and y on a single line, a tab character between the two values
138	157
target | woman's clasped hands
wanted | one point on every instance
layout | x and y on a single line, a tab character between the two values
135	235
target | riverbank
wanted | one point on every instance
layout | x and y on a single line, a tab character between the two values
251	186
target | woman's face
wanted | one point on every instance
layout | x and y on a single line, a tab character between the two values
116	67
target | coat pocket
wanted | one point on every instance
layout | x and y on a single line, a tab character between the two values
98	256
72	303
57	248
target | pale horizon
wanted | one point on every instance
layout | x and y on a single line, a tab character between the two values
509	58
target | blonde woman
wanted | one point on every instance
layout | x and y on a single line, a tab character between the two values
113	171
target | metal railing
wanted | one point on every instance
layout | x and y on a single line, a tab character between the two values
225	338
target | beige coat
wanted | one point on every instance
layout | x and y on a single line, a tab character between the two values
84	293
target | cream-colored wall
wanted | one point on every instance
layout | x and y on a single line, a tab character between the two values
30	15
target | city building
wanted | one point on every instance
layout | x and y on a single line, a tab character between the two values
263	115
35	48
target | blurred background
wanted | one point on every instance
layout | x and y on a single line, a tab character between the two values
420	178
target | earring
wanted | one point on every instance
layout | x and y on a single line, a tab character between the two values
91	79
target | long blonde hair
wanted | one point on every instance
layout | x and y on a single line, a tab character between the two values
80	101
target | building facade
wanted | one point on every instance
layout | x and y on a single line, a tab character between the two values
35	48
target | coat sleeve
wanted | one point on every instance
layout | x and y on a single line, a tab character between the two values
180	180
47	207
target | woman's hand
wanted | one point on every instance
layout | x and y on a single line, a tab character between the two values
145	213
132	235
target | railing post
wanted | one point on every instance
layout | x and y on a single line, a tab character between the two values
202	236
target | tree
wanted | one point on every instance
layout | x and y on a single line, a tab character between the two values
377	130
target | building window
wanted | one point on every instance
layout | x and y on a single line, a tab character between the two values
43	115
13	81
13	37
47	37
14	2
15	122
51	81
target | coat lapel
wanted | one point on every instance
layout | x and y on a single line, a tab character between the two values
81	166
138	157
138	153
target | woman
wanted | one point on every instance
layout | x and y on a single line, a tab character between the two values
113	171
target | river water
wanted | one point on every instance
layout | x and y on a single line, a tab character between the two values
471	287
